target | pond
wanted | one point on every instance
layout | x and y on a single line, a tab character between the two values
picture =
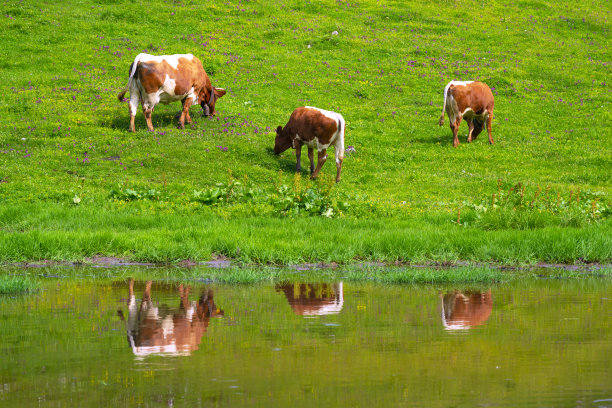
540	342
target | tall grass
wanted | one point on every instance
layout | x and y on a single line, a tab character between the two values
14	285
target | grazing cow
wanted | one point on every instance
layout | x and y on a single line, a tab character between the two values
160	330
461	311
316	128
472	101
308	299
169	78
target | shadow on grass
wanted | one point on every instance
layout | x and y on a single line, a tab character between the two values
163	118
287	161
441	139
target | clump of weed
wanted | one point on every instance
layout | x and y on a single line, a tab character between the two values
520	207
13	285
122	193
282	199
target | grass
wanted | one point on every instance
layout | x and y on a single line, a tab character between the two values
74	183
474	274
15	285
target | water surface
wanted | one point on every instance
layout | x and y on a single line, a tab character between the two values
540	343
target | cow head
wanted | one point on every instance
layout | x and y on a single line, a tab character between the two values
283	141
478	125
207	100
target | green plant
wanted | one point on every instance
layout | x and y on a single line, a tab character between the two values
520	207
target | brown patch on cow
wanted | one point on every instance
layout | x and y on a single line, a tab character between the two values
465	310
476	96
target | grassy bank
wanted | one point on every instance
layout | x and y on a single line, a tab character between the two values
75	233
74	183
14	280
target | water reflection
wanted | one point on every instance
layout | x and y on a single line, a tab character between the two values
463	310
313	299
161	330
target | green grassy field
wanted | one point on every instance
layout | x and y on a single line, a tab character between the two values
74	183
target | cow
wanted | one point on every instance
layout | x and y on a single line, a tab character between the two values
169	78
469	100
464	310
159	330
315	128
313	299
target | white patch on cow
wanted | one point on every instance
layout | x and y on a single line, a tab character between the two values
451	108
172	60
459	83
465	112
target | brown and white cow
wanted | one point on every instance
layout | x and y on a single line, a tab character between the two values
160	330
317	129
165	79
464	310
472	101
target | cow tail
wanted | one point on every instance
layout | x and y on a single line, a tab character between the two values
339	152
441	122
131	76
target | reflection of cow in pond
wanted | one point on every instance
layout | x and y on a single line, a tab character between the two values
161	330
313	299
462	310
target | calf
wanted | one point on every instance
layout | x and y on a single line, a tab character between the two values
462	311
315	128
313	299
169	78
472	101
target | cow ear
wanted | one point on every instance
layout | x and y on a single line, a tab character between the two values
279	130
219	92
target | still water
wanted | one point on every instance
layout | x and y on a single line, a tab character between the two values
539	343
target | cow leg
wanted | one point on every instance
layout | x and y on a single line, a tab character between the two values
489	119
132	108
146	296
146	299
470	123
311	158
185	113
132	321
339	160
455	128
320	162
298	156
147	112
184	295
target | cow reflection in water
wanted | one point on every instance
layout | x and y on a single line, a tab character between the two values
313	299
463	310
161	330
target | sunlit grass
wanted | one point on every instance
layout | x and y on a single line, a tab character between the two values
74	183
